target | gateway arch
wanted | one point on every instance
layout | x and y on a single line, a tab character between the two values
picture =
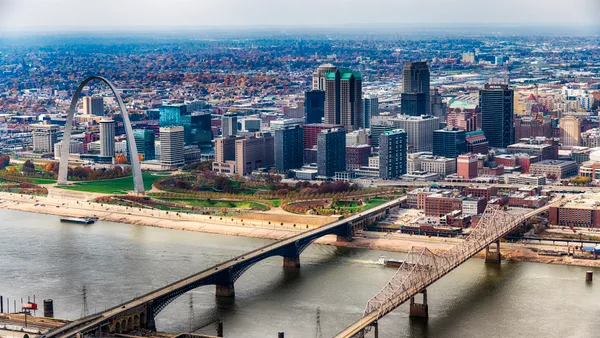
64	155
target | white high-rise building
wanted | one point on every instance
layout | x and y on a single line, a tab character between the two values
370	109
229	125
44	136
93	105
107	137
419	131
172	146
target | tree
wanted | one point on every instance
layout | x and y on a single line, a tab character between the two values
121	159
28	167
4	161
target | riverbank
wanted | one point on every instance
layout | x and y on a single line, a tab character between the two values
518	252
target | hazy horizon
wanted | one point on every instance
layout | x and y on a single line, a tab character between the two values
47	16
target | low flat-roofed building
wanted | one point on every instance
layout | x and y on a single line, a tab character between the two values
581	212
421	176
524	200
558	168
526	179
443	203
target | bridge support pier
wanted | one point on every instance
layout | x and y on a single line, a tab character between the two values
493	256
419	310
344	238
376	329
291	262
225	290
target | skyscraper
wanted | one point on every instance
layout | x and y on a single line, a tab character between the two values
44	136
343	98
200	129
93	105
172	145
449	142
289	148
229	124
173	114
377	128
415	79
570	131
496	103
314	106
438	106
107	137
318	76
419	131
331	152
370	109
144	143
413	104
392	154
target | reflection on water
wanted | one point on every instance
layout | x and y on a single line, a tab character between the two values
41	256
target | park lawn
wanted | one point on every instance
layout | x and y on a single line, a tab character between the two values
115	186
43	180
206	203
352	206
275	203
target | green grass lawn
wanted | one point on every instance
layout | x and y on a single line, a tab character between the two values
352	206
114	186
275	203
43	181
205	203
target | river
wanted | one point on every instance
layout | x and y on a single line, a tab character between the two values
115	262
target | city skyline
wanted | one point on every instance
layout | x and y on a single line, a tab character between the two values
68	15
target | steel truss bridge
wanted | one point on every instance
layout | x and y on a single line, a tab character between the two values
423	267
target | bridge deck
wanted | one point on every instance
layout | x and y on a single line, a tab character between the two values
91	322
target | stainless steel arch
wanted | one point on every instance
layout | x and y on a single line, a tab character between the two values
64	156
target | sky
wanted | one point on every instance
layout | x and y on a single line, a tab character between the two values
107	15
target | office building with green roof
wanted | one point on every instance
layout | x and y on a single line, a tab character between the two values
343	99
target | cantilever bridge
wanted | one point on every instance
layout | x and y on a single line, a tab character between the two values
422	268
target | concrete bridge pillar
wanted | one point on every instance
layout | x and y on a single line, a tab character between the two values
493	256
225	290
291	262
419	310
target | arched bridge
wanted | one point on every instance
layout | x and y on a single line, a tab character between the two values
141	311
422	267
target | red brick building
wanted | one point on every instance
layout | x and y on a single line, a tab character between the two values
441	204
523	200
357	156
573	215
466	166
311	131
481	191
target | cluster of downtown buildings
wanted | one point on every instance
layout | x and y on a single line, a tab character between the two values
456	118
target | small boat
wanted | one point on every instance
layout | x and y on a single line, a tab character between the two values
389	261
83	220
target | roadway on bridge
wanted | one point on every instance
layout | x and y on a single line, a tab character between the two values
91	322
